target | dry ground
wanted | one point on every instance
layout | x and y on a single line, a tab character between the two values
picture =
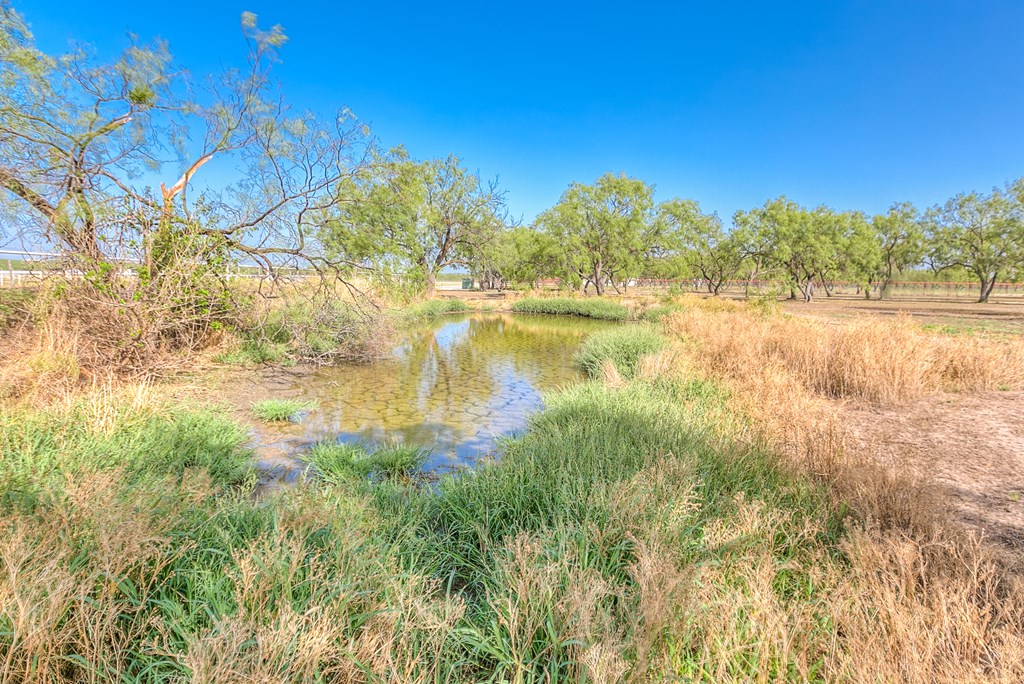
970	445
1004	316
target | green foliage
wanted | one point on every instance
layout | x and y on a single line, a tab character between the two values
425	311
603	482
983	234
563	478
337	462
412	219
588	308
900	236
280	410
15	305
42	448
517	256
656	313
606	231
706	250
623	346
254	352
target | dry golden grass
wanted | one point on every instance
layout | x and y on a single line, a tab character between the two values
886	361
55	604
923	600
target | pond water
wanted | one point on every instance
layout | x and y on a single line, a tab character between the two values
452	386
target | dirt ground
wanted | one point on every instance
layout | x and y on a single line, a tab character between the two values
970	445
1004	316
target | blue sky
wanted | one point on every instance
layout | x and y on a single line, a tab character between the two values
852	104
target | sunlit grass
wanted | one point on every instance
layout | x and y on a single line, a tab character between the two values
588	308
280	410
424	311
622	347
337	461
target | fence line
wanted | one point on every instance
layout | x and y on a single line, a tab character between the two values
950	288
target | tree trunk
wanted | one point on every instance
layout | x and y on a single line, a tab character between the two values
430	280
987	285
598	280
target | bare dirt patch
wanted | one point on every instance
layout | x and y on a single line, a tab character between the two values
998	316
970	446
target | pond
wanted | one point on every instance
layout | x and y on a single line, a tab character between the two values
453	386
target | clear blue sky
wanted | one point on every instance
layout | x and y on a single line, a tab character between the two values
852	104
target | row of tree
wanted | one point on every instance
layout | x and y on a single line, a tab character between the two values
412	219
86	145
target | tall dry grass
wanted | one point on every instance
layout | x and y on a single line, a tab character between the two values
886	361
922	599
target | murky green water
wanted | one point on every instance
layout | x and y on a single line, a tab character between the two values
452	386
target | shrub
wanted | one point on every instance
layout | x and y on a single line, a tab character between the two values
254	352
623	347
324	331
565	306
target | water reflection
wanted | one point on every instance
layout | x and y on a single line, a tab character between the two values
453	386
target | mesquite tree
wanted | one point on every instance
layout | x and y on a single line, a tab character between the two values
409	218
607	231
707	251
983	234
103	161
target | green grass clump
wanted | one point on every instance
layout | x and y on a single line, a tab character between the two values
254	352
605	482
565	306
623	346
399	460
15	304
424	311
41	449
280	410
340	462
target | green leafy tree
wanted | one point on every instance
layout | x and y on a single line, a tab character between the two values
857	254
901	243
517	255
983	234
706	251
85	143
607	232
799	244
406	217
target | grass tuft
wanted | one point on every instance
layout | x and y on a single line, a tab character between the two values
341	462
588	308
425	311
254	352
622	347
280	410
